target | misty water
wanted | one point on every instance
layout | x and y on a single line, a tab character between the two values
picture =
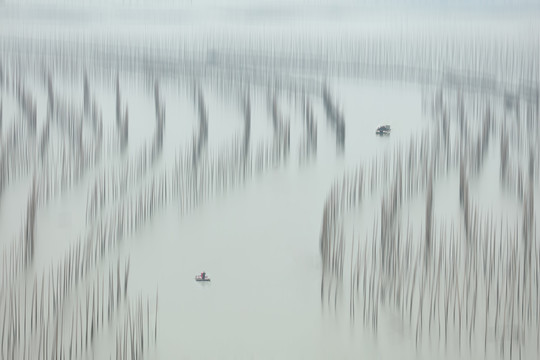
141	145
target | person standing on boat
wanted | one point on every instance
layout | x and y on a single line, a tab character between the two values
203	275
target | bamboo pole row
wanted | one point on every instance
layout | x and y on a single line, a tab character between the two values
439	278
61	315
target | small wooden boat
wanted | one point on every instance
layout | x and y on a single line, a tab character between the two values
383	130
200	278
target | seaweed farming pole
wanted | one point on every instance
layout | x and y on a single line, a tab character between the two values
30	231
335	118
157	147
247	125
308	147
122	118
200	140
429	221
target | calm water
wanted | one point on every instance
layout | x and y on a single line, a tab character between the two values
259	240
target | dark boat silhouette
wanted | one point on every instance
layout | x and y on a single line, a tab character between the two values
383	130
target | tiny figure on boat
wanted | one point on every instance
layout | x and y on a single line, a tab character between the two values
202	277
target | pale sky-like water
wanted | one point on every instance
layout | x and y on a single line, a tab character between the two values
259	242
